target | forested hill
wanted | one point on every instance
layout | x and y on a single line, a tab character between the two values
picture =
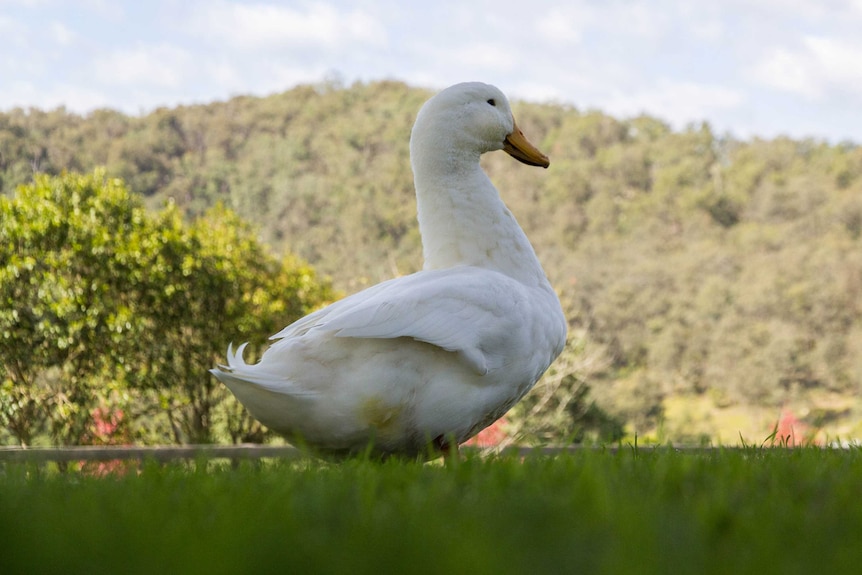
695	264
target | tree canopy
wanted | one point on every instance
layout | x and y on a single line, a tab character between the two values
690	264
109	308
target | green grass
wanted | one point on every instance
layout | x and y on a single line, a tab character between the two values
635	511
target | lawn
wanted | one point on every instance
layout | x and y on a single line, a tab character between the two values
630	511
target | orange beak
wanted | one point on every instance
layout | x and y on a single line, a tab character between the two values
519	147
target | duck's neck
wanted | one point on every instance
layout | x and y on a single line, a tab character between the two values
463	221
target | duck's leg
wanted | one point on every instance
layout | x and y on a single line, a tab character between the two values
449	449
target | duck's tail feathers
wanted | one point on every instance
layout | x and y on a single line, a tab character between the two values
234	358
238	373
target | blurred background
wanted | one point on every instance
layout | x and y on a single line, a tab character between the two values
177	175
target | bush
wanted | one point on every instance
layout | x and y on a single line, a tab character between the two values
104	305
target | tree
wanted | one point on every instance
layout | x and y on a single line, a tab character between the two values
214	283
103	303
65	304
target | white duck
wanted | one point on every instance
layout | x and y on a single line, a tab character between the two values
418	364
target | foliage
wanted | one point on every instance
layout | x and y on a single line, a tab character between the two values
107	306
633	511
561	408
696	264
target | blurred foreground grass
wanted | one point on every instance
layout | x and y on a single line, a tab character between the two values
633	511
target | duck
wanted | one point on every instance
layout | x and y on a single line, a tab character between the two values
416	365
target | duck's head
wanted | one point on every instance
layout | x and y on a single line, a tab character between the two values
468	120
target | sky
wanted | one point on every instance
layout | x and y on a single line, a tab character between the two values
749	68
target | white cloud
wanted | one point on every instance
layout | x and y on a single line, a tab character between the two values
563	25
704	25
639	19
111	10
839	62
568	22
489	56
225	75
804	10
28	3
822	67
788	71
162	65
536	92
61	34
256	26
281	76
13	32
27	94
680	102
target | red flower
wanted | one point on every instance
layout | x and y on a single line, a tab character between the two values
790	431
491	435
109	428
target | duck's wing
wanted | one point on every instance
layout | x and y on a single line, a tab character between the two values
320	317
473	312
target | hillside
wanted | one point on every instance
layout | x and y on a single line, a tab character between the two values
709	282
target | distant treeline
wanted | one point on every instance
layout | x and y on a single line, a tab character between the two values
688	262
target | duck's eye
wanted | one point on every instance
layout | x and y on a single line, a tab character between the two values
492	102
